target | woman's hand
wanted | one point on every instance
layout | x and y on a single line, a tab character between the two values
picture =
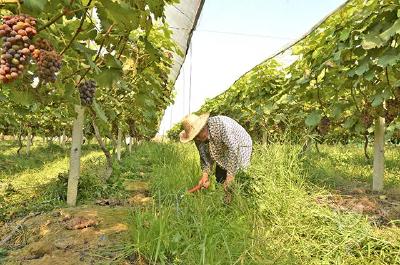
204	181
229	179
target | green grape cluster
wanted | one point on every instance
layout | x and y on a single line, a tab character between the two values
16	33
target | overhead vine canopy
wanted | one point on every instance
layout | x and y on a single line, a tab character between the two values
126	47
114	59
345	69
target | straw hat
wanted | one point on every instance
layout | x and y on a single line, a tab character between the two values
192	125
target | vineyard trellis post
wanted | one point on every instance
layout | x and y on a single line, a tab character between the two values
379	155
119	143
63	138
74	167
29	141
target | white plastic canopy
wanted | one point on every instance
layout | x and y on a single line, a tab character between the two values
182	19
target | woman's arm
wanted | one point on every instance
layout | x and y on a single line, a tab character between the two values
206	162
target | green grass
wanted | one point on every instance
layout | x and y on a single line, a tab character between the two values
304	232
346	165
273	219
38	182
193	229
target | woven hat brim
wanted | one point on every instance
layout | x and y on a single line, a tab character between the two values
202	121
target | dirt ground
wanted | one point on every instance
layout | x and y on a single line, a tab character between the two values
99	233
382	209
92	234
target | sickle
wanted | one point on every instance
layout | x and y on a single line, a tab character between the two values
195	188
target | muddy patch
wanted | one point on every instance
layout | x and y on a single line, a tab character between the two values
136	186
92	234
138	195
382	209
82	235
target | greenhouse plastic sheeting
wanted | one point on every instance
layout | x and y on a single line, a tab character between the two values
182	19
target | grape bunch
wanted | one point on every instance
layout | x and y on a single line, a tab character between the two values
41	45
397	92
324	125
392	110
49	63
366	118
86	91
16	33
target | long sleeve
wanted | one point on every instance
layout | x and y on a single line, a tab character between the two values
206	162
232	154
230	145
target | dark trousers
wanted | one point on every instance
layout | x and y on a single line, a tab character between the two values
220	174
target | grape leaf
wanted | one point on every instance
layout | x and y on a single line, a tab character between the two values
22	97
34	5
394	29
349	123
362	67
389	58
344	35
371	41
99	111
112	62
156	7
313	118
107	76
122	14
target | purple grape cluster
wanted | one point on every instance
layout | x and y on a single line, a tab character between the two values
392	110
87	90
49	63
366	118
40	45
324	125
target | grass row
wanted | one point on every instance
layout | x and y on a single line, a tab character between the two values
272	220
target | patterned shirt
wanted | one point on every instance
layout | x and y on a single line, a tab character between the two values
229	145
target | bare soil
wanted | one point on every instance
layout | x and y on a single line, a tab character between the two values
382	209
91	234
